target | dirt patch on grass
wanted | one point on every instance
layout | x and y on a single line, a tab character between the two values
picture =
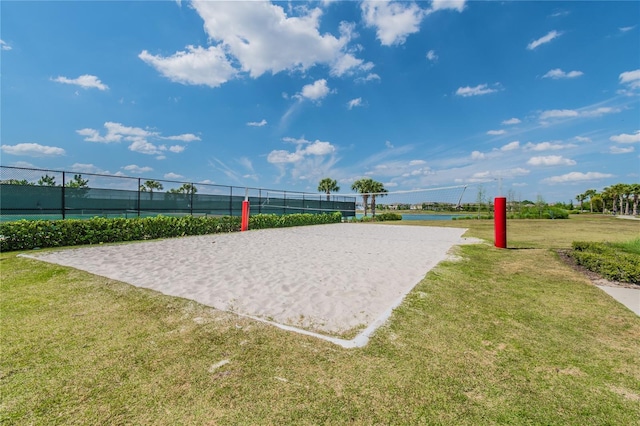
594	277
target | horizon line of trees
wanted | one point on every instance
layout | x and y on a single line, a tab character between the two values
621	198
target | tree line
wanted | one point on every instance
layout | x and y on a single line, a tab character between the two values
368	188
621	198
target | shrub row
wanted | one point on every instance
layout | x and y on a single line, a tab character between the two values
607	260
25	235
382	217
525	213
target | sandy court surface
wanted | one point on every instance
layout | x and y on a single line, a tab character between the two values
327	278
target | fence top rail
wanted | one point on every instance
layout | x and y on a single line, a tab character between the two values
335	197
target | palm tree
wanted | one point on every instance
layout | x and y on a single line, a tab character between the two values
608	194
363	186
328	185
590	193
150	185
626	192
635	193
581	198
377	190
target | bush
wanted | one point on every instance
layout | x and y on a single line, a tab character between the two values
388	216
26	235
610	261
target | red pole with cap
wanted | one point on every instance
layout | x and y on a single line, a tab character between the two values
500	222
244	225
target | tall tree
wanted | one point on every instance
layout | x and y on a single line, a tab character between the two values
151	185
581	198
626	192
377	190
590	193
635	193
328	185
363	186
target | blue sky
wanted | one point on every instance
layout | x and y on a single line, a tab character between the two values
544	95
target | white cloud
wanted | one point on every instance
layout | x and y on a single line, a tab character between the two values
368	78
544	39
139	138
597	112
431	55
172	175
626	137
310	160
582	139
394	21
132	168
481	89
511	146
304	149
260	123
354	103
558	113
143	146
631	79
447	4
621	150
4	45
249	37
32	150
551	160
85	81
477	155
116	132
496	132
186	137
546	146
626	29
576	177
388	144
557	73
417	162
511	121
88	168
196	66
315	91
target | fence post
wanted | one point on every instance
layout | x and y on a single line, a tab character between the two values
64	207
231	201
193	189
139	188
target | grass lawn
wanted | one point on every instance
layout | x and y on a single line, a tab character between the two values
498	337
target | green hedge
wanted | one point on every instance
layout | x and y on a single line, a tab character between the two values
609	261
25	234
388	216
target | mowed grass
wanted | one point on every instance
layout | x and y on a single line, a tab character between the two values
496	337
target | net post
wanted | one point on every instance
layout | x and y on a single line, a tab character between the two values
245	211
500	222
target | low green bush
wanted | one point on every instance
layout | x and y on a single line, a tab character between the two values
388	216
26	234
610	261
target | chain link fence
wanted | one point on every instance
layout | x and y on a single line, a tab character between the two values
48	194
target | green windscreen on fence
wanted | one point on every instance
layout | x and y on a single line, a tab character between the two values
26	199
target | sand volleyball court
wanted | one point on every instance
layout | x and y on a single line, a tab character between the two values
321	280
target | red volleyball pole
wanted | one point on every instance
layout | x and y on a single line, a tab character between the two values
500	222
245	213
